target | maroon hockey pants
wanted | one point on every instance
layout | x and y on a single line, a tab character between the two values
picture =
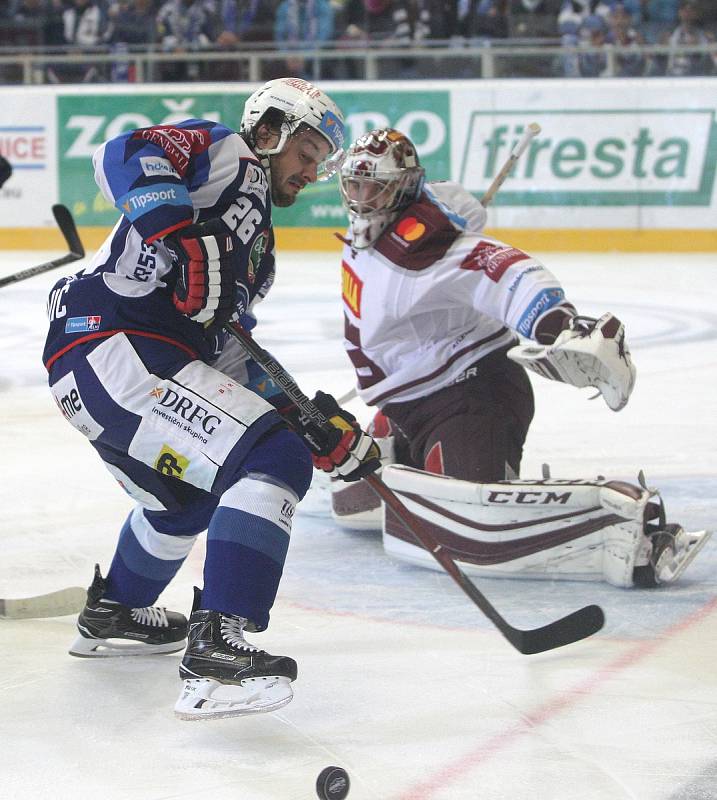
471	429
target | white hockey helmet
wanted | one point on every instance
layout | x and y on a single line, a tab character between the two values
287	104
380	176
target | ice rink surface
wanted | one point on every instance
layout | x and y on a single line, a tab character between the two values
402	681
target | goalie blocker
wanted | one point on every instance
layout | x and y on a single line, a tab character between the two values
554	529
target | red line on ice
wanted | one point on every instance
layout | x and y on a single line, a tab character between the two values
424	790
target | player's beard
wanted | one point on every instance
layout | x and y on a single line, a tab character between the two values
282	199
280	196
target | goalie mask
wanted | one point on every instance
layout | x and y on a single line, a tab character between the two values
380	176
289	105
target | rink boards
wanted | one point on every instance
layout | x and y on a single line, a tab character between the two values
618	165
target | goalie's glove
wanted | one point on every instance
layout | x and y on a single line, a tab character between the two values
340	447
205	255
588	352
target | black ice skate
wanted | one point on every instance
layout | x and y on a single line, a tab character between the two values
224	675
108	628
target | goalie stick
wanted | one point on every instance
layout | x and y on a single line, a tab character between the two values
54	604
67	227
579	625
530	132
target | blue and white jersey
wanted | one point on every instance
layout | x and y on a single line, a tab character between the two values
162	179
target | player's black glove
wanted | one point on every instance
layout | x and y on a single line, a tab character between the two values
340	447
205	253
5	170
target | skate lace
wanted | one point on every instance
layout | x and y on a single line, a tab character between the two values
152	615
233	634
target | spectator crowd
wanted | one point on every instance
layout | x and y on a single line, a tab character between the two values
585	28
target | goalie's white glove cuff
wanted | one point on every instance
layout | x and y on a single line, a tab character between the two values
589	353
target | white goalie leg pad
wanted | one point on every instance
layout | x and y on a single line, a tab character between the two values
557	529
204	698
598	358
355	506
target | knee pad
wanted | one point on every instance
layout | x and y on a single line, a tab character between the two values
282	455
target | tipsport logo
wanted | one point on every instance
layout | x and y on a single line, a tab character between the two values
332	126
87	324
596	157
139	201
544	300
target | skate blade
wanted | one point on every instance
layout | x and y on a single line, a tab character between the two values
204	698
83	647
695	542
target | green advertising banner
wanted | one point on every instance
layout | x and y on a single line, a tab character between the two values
654	157
641	158
86	121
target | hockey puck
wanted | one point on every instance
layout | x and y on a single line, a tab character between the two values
333	783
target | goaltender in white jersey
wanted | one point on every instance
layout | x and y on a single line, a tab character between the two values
434	313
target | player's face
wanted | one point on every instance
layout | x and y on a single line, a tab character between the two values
296	165
364	195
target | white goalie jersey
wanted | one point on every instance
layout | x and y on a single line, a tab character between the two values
434	295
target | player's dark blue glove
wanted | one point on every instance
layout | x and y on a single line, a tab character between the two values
205	255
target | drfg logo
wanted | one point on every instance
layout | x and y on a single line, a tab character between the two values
186	408
596	157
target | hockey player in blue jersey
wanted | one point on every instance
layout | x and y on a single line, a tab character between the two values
139	362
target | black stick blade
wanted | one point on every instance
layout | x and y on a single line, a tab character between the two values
66	224
572	628
576	626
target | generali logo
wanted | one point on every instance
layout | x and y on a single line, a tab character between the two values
351	287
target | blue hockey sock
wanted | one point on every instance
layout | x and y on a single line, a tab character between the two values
247	542
145	561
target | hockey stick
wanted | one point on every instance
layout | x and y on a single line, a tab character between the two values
578	625
345	398
530	132
55	604
67	227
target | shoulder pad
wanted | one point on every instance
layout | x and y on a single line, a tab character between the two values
419	237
